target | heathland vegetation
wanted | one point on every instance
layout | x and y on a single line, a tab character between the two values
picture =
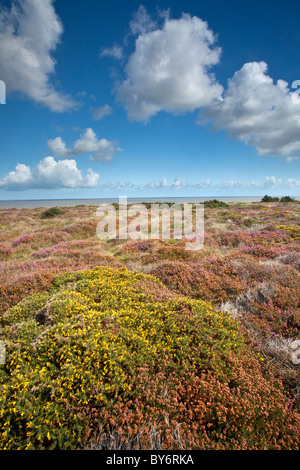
114	344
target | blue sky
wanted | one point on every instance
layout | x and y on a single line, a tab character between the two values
154	99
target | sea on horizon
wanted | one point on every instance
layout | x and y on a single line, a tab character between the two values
41	203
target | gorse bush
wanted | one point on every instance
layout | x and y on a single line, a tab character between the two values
97	353
19	279
51	213
99	357
214	203
294	232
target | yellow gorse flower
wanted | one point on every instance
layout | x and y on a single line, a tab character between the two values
98	334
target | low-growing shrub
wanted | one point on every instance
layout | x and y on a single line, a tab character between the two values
98	357
234	239
38	239
267	198
277	199
149	251
5	251
287	199
210	279
214	203
20	279
294	232
51	213
263	251
111	359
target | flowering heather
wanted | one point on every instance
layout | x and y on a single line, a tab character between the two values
39	238
71	247
294	232
19	279
25	239
254	271
292	259
81	229
263	252
103	357
210	279
97	353
155	250
264	237
272	320
5	251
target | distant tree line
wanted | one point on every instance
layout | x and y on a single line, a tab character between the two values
267	198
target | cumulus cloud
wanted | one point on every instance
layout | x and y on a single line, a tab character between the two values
259	112
29	32
49	174
142	22
164	183
170	70
116	52
52	174
272	182
170	67
99	113
269	183
100	149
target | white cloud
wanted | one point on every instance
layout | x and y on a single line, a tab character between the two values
169	69
100	149
291	158
99	113
52	174
49	174
29	31
116	52
269	183
259	112
142	22
164	183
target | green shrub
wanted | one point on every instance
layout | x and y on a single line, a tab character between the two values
51	213
267	198
287	199
100	353
213	203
